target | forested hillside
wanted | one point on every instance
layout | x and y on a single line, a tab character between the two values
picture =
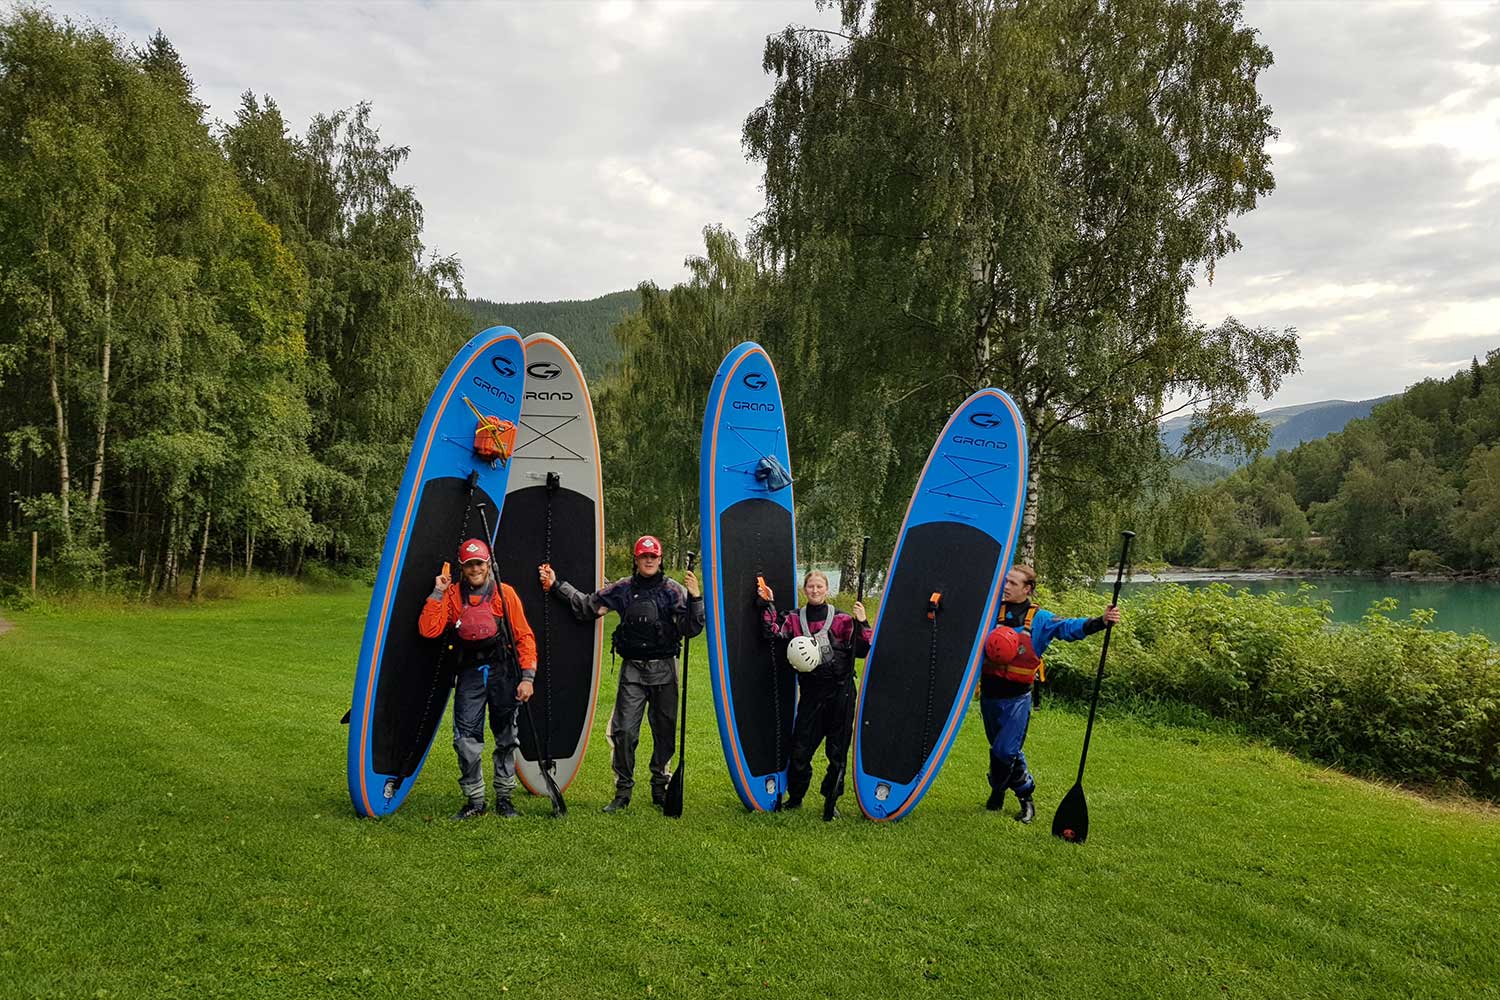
583	324
1413	486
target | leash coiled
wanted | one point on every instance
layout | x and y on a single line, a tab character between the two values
553	482
934	605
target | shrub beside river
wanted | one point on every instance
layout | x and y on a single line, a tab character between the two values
1384	697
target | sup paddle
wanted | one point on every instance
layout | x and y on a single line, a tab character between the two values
673	806
559	807
1071	821
830	802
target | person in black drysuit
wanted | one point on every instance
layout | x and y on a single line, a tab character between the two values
825	702
656	613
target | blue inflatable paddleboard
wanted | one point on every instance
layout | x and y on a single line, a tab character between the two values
402	682
745	505
941	594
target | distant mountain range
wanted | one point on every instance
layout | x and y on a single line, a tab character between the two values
582	324
1290	425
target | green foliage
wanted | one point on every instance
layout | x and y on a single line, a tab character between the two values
379	326
1420	474
159	320
1394	699
1019	195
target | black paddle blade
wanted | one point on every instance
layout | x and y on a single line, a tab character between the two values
559	807
1071	822
830	803
673	806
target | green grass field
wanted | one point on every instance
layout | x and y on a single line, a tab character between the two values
175	822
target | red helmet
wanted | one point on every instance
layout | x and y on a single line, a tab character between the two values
474	548
648	545
1002	645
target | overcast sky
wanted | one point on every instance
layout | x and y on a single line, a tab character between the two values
564	150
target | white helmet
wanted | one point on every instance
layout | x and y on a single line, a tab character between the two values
803	654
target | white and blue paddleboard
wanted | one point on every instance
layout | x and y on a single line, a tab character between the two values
747	532
402	681
554	513
941	594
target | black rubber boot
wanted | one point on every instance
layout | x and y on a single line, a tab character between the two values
616	804
659	797
1028	811
791	803
996	801
470	809
505	810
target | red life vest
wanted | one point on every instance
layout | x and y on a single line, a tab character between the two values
1025	665
476	619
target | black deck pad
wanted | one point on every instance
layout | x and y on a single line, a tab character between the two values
756	540
565	646
415	678
958	561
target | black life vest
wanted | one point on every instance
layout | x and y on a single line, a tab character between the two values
646	630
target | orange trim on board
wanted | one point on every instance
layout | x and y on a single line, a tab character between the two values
955	719
713	532
364	726
950	729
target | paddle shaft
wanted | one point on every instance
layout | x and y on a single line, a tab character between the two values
859	598
682	709
859	590
1104	652
672	807
554	482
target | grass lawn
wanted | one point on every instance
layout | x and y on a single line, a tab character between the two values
175	822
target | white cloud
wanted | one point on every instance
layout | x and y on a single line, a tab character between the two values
1454	320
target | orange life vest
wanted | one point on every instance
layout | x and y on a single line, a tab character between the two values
1025	667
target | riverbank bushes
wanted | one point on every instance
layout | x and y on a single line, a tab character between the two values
1385	697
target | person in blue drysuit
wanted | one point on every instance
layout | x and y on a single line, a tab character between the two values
1013	653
